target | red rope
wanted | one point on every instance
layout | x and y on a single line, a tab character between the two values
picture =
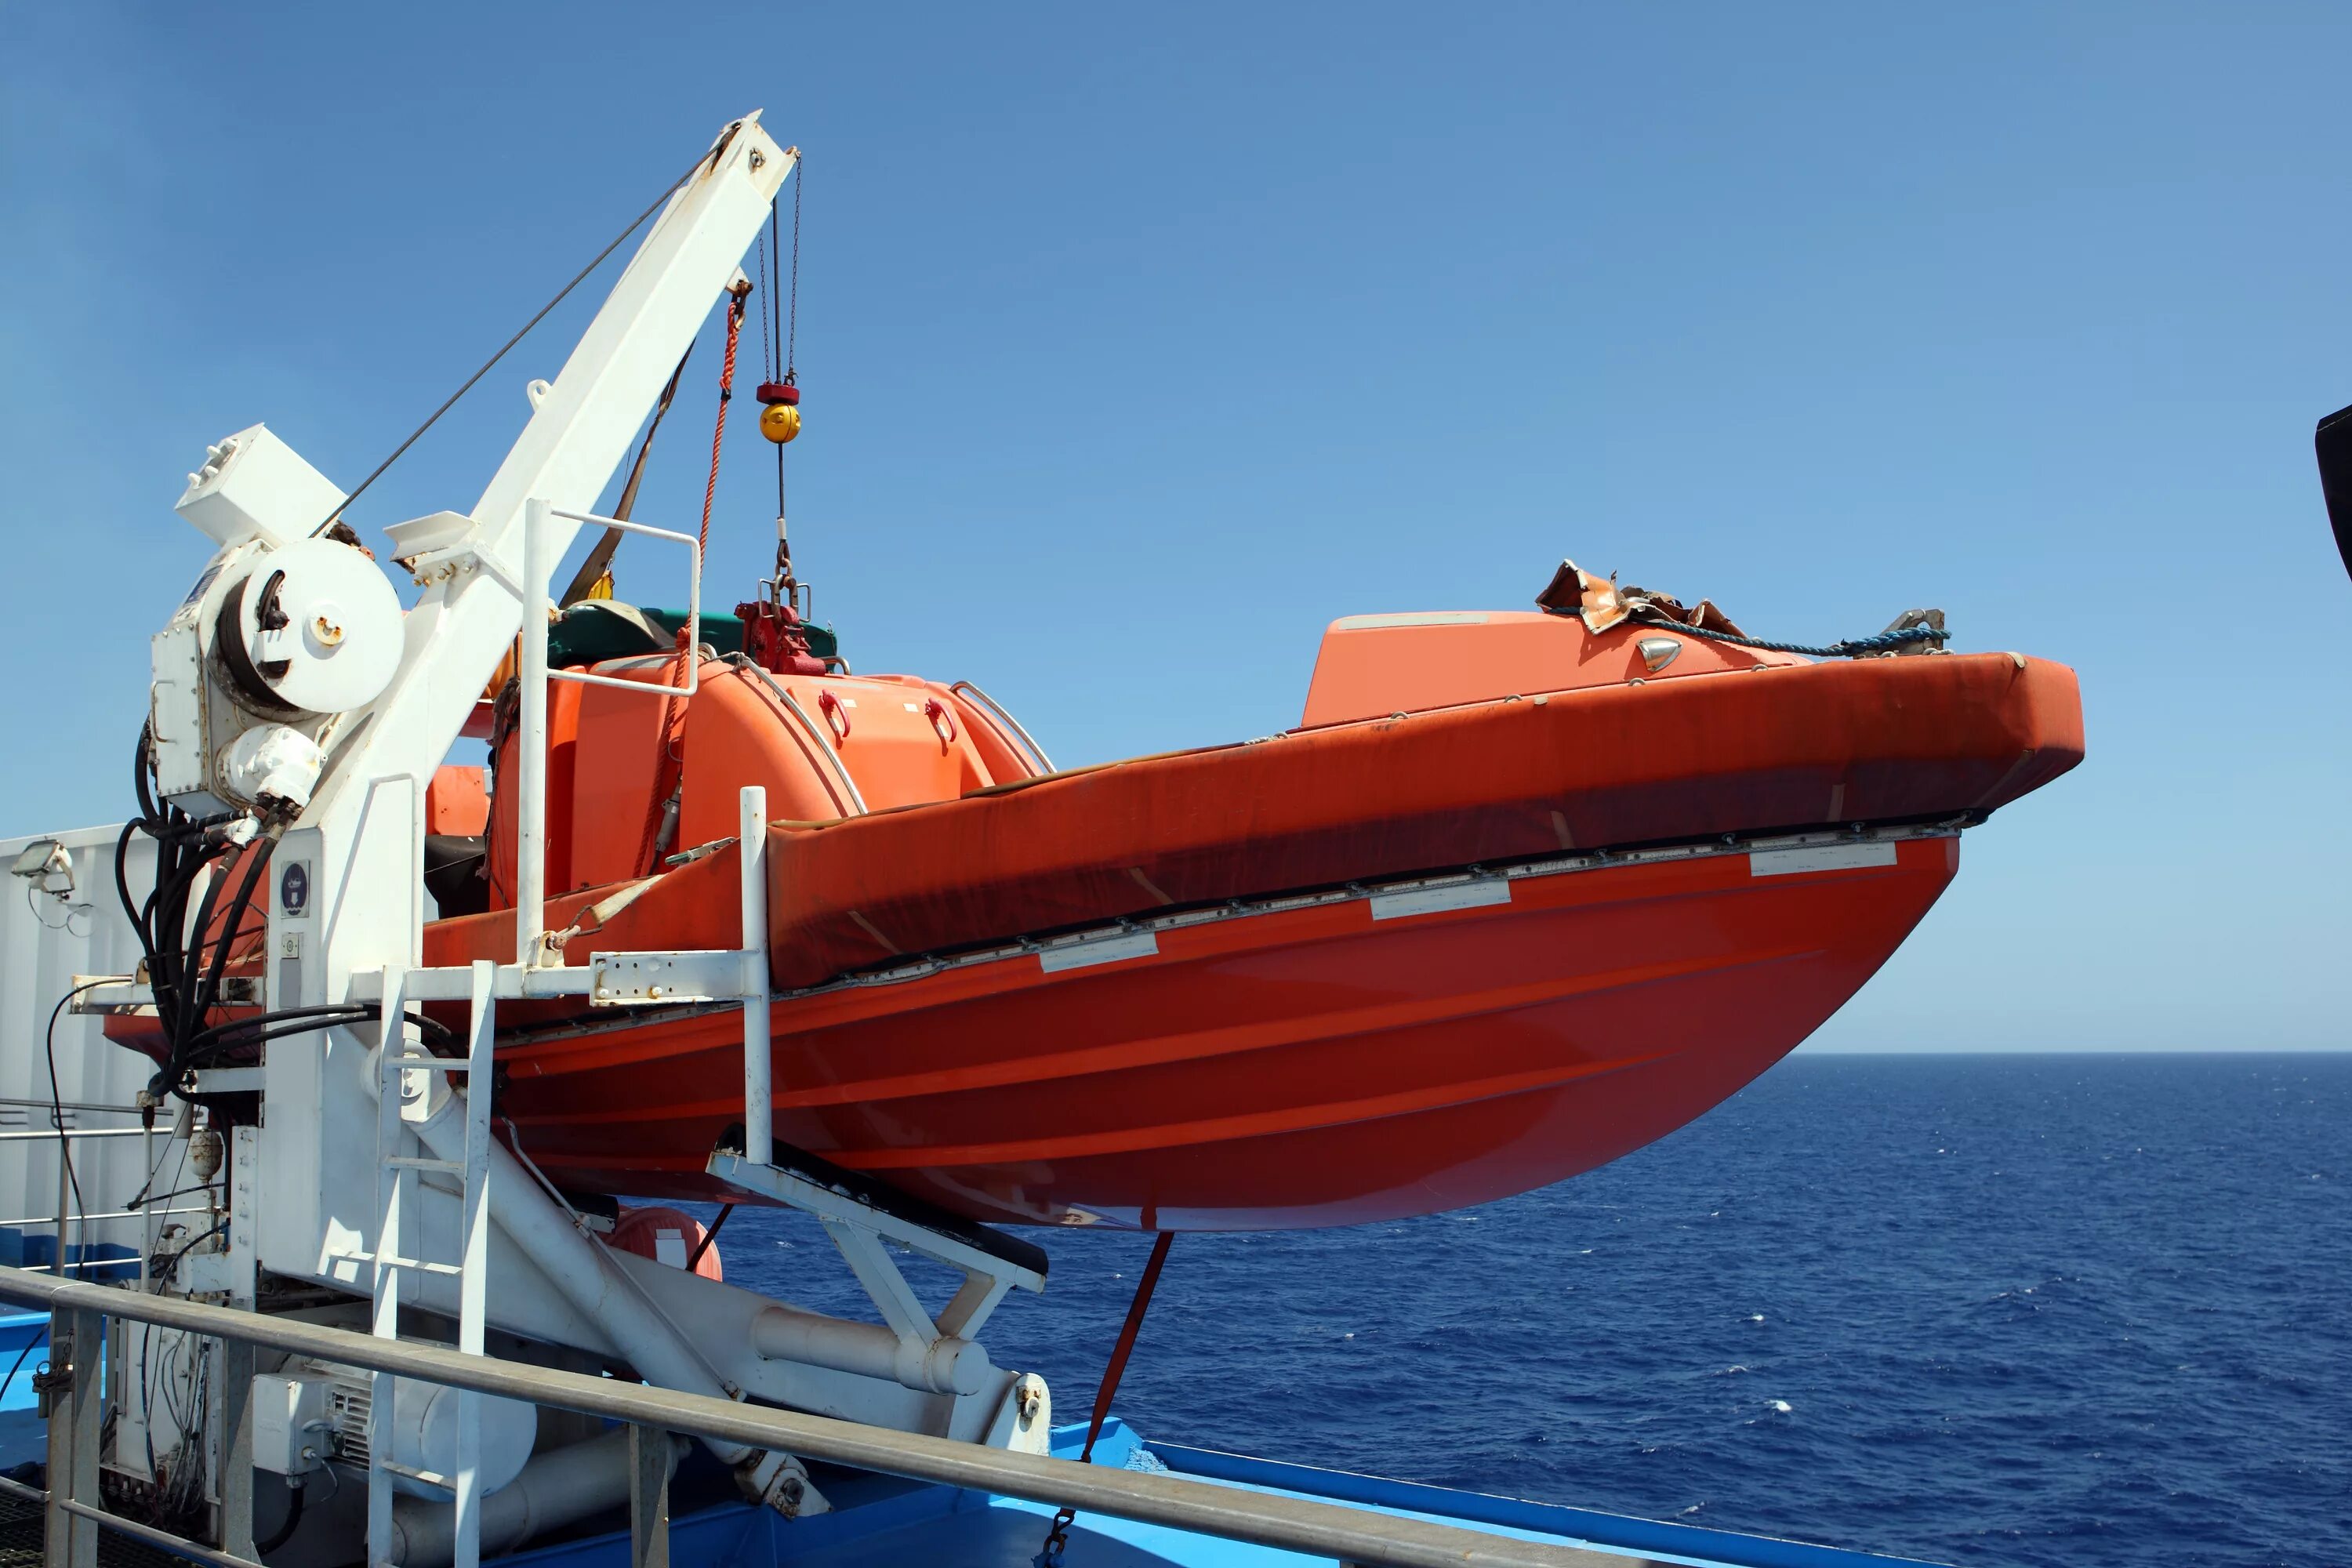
719	435
1057	1533
670	764
1126	1346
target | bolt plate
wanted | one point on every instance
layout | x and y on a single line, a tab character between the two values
660	979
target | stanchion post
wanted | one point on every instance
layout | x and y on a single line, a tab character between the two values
758	1097
237	1468
75	1416
531	816
650	1451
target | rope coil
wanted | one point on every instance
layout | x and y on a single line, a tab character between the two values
1851	648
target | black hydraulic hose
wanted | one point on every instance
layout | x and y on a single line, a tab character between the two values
328	1016
304	1026
207	990
285	1530
333	1011
195	1014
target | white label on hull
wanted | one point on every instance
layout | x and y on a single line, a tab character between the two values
1101	950
1821	857
1477	895
1410	618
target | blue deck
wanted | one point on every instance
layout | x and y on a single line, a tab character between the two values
879	1522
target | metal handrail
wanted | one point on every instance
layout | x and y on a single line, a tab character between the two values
997	710
693	608
178	1545
1291	1523
824	741
45	1132
82	1218
83	1265
69	1105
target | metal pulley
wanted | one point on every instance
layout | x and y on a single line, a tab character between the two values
779	415
314	627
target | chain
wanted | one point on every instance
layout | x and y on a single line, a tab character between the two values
793	318
1057	1535
767	350
1056	1538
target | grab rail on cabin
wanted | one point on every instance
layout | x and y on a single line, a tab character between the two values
693	605
530	810
824	739
1001	719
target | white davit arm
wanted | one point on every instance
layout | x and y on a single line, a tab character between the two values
576	438
364	823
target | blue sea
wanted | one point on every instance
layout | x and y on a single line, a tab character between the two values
2082	1311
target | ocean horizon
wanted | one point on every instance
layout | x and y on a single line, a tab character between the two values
2081	1308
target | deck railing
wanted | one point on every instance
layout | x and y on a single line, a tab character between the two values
66	1214
79	1310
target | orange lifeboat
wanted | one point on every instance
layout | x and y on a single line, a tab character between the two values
1522	892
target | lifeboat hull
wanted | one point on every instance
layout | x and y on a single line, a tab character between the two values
1326	1059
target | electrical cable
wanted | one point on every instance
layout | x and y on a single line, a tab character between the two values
155	1170
21	1354
65	1150
160	1275
144	1198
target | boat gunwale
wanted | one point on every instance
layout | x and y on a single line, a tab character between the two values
1568	863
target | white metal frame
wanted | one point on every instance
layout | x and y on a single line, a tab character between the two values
859	1230
538	584
361	837
645	1332
531	818
929	1348
357	936
750	963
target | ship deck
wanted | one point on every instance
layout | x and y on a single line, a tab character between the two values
878	1520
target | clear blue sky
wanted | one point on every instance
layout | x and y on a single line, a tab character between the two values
1140	343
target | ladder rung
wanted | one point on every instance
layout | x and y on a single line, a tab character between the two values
426	1477
451	1269
427	1064
420	1163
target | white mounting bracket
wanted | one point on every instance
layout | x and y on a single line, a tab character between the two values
445	544
620	979
859	1228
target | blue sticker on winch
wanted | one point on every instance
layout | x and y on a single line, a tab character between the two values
294	888
203	582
